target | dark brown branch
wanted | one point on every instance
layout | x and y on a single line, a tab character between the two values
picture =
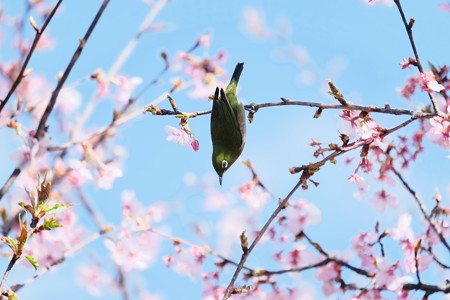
440	263
428	288
253	107
349	106
408	27
15	173
246	254
422	208
11	264
280	207
333	258
291	270
40	132
37	37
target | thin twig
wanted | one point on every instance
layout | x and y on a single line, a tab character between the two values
40	132
6	186
422	208
11	264
335	259
71	251
119	62
331	156
246	254
319	264
253	107
37	37
408	27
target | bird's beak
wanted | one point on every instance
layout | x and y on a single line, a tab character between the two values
220	180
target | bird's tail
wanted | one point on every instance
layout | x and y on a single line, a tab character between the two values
237	73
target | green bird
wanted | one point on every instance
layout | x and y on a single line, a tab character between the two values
227	125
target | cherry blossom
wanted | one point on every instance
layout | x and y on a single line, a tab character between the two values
95	279
255	23
300	215
255	198
327	275
126	86
428	82
444	7
381	199
438	128
188	262
386	276
134	251
177	136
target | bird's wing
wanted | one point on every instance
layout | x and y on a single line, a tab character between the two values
225	126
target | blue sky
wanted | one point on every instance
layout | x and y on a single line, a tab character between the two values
358	47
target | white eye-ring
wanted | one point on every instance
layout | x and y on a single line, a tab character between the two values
224	164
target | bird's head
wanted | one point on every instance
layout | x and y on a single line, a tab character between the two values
222	161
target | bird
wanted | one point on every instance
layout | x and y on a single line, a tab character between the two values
227	125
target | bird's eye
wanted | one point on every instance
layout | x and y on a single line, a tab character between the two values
224	164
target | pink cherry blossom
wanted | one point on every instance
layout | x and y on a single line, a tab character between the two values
444	7
410	259
327	274
188	262
203	73
386	276
107	174
205	40
69	101
229	226
30	150
410	87
300	215
428	82
406	63
35	92
79	173
363	246
403	230
438	128
255	23
49	246
216	200
126	86
254	196
381	199
358	180
95	279
177	136
137	217
134	251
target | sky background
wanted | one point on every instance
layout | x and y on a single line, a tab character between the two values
358	47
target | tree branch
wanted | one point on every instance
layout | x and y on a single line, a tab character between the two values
253	107
422	208
408	27
41	128
245	255
40	131
37	37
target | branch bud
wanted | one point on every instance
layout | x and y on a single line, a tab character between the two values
33	24
244	241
